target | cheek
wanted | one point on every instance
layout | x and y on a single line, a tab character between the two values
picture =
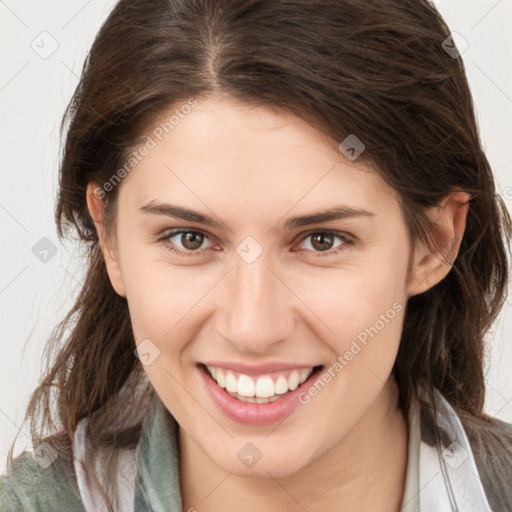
160	295
358	311
358	293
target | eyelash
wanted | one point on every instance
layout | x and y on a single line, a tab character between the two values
344	237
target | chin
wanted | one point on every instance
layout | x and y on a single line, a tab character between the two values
272	462
270	469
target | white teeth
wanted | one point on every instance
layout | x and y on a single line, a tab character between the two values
213	371
220	378
264	387
304	374
231	382
281	385
263	400
245	386
264	390
255	400
293	380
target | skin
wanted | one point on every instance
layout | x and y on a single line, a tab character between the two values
345	450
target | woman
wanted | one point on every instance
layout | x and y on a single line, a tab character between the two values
295	251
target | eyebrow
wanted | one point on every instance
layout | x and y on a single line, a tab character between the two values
180	212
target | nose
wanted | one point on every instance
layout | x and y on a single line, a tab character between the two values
258	308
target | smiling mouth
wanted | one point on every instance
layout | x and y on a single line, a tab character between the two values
262	389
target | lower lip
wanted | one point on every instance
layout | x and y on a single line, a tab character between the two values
255	414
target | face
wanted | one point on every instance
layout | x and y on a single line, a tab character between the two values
257	291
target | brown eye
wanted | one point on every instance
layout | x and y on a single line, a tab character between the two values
184	242
325	242
322	242
191	240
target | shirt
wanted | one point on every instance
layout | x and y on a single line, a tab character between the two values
444	481
424	467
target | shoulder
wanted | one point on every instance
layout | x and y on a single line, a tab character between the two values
491	444
42	480
485	440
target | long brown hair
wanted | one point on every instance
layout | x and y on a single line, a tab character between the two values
376	69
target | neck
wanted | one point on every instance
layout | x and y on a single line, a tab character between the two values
366	467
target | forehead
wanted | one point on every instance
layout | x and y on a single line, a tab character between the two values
243	158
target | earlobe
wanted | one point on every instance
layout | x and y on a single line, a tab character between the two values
432	264
96	210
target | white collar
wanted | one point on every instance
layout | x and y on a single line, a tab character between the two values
448	479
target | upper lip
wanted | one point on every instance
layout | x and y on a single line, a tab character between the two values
260	369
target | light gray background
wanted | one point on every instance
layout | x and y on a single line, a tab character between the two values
34	90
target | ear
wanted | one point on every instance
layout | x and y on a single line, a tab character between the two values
95	195
432	264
